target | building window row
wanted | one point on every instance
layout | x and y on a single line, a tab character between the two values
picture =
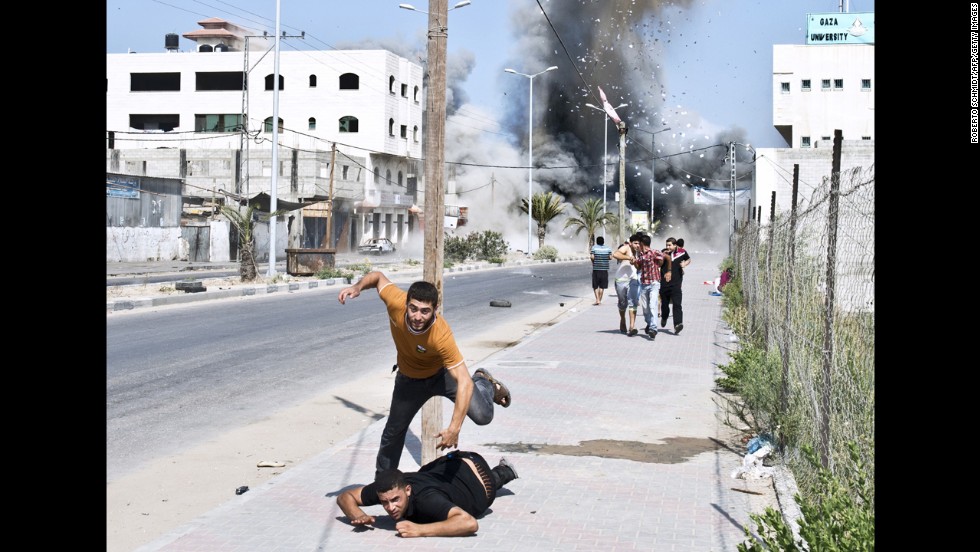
404	89
825	84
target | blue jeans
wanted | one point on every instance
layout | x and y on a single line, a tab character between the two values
649	293
407	399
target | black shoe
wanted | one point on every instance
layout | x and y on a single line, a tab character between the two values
678	328
632	332
663	322
652	334
503	474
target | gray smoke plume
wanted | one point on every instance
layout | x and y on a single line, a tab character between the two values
619	45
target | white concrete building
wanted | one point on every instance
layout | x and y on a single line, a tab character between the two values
186	115
819	88
816	89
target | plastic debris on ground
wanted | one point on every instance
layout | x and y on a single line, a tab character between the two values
752	463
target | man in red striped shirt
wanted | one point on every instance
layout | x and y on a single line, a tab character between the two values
647	264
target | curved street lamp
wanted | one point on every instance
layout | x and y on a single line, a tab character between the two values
605	156
530	140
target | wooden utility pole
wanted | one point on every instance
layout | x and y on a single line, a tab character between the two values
435	186
328	240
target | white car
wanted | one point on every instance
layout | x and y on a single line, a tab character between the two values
377	246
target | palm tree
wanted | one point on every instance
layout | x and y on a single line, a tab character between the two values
590	218
244	222
544	207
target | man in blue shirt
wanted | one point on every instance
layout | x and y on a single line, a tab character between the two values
600	254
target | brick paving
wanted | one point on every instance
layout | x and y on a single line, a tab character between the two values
618	441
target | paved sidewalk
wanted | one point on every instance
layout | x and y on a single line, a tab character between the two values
617	440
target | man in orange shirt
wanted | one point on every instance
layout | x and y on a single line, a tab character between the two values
429	365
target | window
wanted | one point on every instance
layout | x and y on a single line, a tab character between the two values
312	123
805	85
198	167
838	84
312	81
165	122
784	86
345	169
415	133
865	137
388	176
156	82
805	142
349	81
391	84
219	80
404	90
416	94
825	138
229	122
348	124
865	84
400	176
377	175
404	131
270	78
825	84
267	125
391	127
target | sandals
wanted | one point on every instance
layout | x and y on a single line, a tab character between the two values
501	395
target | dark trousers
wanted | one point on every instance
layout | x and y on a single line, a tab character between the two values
407	399
671	294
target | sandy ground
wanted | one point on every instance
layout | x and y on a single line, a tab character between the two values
171	491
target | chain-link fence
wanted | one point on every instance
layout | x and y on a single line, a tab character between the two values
807	282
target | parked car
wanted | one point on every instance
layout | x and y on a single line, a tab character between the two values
377	246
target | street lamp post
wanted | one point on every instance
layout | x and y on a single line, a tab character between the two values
653	173
530	141
413	8
605	157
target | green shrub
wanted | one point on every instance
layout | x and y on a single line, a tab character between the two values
331	272
546	253
456	249
496	260
488	245
363	268
840	516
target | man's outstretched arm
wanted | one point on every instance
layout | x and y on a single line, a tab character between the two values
458	524
370	280
350	502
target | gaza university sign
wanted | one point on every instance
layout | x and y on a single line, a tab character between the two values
840	28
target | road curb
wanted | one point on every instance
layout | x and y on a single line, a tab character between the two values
247	290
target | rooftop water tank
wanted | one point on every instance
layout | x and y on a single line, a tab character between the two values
171	42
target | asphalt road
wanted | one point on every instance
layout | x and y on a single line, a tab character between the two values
178	376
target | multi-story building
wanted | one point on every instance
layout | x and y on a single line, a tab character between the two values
349	131
819	87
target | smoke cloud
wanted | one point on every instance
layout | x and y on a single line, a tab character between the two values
620	45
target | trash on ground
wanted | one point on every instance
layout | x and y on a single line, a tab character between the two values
752	466
241	490
270	464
